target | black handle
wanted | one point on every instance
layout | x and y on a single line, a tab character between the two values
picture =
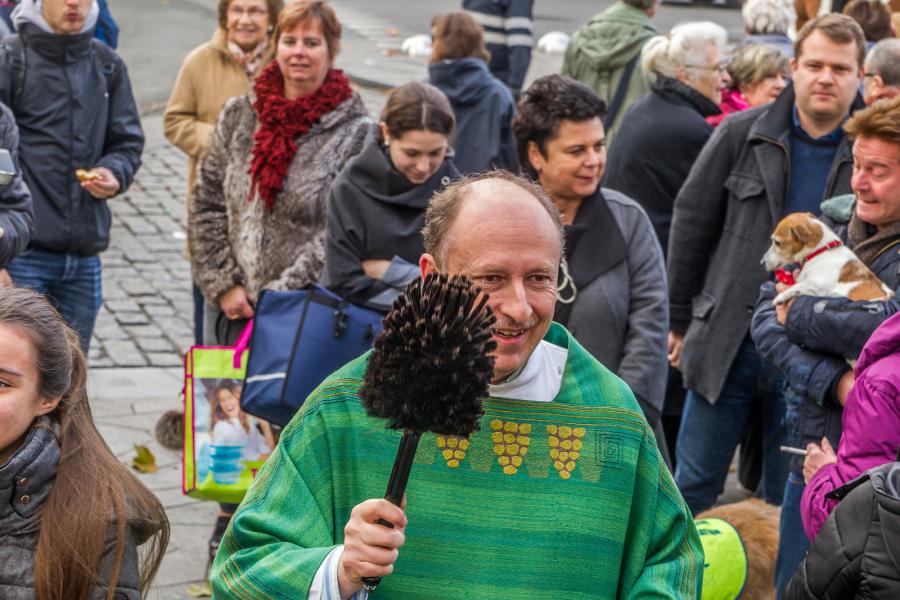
396	486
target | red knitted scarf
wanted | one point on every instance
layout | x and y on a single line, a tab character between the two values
281	121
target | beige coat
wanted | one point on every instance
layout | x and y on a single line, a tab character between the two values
208	78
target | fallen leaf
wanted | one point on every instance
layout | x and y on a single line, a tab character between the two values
199	590
143	461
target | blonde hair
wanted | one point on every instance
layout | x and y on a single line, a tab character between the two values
752	63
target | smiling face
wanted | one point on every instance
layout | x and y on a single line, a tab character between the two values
416	154
303	58
20	398
229	403
487	243
826	78
248	23
66	16
876	180
572	163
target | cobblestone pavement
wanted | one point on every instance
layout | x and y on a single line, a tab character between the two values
147	306
147	313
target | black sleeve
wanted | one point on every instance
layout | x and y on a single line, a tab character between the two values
697	219
16	215
836	325
345	250
124	136
832	568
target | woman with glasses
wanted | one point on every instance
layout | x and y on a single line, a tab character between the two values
213	73
661	135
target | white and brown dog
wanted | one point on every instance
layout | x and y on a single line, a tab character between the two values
827	267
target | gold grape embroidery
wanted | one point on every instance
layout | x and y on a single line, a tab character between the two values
511	441
565	447
453	449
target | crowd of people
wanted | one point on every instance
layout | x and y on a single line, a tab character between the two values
616	214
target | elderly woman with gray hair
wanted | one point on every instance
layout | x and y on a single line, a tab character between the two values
661	135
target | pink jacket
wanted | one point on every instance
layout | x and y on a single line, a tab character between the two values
732	102
871	432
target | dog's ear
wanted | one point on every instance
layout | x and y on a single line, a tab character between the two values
800	233
806	234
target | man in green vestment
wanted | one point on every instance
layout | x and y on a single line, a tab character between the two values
561	494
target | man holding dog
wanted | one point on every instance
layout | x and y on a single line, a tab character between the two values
812	338
589	510
769	161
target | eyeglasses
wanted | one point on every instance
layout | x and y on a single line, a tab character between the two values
253	13
722	68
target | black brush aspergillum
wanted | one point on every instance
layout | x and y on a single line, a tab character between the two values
429	369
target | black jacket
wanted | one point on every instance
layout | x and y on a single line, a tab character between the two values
658	140
68	119
484	109
374	212
857	551
16	216
724	215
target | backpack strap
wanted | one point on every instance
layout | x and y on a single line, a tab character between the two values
619	97
109	62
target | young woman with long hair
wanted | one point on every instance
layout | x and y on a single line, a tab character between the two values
71	515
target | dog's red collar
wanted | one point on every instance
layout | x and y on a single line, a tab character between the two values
788	277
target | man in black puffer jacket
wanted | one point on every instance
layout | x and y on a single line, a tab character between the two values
857	552
73	104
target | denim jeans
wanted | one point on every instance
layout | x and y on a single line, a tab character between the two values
792	543
72	283
710	433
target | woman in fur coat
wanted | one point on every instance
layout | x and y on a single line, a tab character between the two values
257	215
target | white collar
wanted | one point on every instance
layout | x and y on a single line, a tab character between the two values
539	380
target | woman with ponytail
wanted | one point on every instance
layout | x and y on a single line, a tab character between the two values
75	524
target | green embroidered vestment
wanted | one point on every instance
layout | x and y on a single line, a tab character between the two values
563	499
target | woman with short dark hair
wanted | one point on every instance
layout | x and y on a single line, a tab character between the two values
376	208
483	105
212	74
612	282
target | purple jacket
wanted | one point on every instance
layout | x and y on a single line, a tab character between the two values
871	424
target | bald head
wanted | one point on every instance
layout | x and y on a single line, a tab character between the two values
503	233
488	201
